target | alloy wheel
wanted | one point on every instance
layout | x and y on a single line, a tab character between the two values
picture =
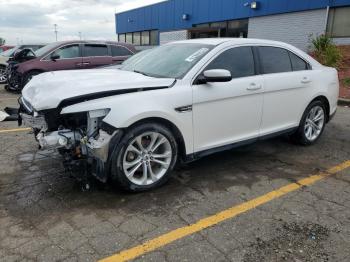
3	76
314	123
147	158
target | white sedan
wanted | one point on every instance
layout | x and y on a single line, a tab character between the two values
177	103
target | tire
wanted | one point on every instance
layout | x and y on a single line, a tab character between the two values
153	163
302	135
3	77
29	76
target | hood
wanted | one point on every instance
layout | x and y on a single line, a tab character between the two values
48	90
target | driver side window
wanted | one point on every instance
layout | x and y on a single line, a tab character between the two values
239	61
71	51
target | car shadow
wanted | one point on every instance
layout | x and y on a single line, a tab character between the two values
42	187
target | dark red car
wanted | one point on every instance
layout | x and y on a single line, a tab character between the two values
65	56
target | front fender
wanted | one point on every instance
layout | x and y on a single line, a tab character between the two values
127	109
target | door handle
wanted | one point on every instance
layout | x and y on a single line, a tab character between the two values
305	80
86	63
253	87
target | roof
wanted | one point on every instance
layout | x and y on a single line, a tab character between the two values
90	41
252	41
235	41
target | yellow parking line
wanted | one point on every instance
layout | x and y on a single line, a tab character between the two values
14	130
179	233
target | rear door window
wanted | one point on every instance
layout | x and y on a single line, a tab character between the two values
95	50
120	51
239	61
274	60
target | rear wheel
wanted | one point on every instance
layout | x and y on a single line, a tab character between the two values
312	124
144	158
3	77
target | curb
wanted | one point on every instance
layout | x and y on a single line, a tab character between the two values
344	102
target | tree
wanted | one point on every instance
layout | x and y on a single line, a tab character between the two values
2	41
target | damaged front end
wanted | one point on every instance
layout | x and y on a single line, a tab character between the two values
82	138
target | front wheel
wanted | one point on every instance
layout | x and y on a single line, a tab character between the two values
144	158
312	124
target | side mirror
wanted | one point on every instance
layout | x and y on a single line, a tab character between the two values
214	75
54	57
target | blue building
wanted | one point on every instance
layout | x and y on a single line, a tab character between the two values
292	21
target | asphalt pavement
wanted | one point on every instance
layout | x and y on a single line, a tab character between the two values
269	201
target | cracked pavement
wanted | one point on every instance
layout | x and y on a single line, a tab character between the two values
44	215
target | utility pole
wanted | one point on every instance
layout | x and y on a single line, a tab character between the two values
80	35
55	26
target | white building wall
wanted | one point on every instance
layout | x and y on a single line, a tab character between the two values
342	41
167	37
293	28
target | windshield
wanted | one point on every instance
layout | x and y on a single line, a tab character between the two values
42	51
9	52
134	58
171	61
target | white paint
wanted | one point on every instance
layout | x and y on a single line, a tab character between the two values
223	113
71	83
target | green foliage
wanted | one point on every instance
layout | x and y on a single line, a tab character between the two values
346	81
326	52
2	41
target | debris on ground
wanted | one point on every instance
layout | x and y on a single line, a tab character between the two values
294	242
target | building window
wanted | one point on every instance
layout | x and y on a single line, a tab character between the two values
154	37
136	38
145	38
235	28
338	22
121	38
128	38
140	38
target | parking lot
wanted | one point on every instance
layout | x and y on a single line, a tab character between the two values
280	202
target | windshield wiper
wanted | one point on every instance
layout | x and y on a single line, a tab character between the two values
142	73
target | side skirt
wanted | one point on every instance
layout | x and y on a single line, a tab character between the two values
200	154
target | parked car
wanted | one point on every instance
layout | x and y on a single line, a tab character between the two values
5	56
3	48
180	102
68	55
132	59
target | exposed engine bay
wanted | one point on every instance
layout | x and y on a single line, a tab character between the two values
83	139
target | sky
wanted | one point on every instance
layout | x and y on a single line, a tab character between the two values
32	21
